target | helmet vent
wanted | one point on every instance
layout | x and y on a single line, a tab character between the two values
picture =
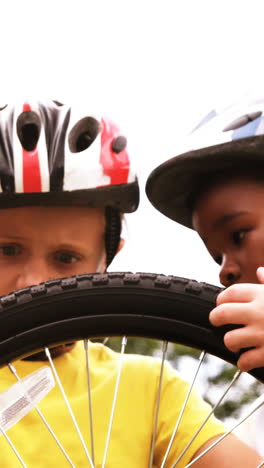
58	103
28	129
243	120
83	134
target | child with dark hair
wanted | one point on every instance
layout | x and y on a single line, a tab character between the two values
217	188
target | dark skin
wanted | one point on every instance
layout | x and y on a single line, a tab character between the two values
229	217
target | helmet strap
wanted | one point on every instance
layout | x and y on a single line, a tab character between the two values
112	233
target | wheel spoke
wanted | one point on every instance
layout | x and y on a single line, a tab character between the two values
121	360
13	447
160	306
201	359
14	372
86	346
227	433
69	407
235	378
164	351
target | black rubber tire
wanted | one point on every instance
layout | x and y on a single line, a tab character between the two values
113	304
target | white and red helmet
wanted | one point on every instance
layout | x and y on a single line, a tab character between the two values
50	154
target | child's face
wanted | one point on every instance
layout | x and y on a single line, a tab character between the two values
42	243
230	220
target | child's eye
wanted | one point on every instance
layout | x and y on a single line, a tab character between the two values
66	257
238	236
9	250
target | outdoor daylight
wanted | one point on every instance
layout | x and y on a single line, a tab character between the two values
132	234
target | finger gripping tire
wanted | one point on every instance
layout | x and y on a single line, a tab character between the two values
112	304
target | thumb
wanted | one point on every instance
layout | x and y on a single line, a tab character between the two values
260	274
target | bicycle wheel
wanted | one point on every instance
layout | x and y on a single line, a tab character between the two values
168	308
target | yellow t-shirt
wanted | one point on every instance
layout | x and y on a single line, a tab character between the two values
133	420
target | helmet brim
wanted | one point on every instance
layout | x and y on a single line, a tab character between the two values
170	186
123	197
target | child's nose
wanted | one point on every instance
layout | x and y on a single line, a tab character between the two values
33	272
230	271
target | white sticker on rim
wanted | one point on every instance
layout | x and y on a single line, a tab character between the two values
24	395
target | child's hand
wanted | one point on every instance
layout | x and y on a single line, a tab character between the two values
243	304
